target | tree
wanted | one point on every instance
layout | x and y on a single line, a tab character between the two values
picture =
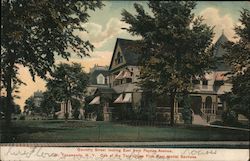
29	105
175	46
186	112
76	105
2	106
238	55
34	31
17	109
49	104
68	82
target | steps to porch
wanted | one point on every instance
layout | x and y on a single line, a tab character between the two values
198	120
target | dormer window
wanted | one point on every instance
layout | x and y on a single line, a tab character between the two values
100	79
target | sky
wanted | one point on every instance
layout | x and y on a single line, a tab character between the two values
104	27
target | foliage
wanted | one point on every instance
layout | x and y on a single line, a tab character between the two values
22	117
238	52
33	32
76	105
238	55
46	104
88	108
2	104
47	28
186	112
175	46
76	114
15	109
122	112
49	104
229	118
147	109
238	100
100	116
162	118
29	104
68	82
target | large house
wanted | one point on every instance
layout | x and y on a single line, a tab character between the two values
123	90
207	91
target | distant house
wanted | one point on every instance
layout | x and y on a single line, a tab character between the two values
99	76
38	97
121	78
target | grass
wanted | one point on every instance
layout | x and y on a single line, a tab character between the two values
83	131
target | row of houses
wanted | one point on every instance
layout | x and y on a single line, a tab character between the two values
116	86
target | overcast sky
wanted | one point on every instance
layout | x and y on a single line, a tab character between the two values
104	27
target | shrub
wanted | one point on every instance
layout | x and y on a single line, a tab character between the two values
76	114
162	118
66	115
230	117
55	117
22	117
187	115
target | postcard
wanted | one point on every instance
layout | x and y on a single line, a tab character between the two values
124	80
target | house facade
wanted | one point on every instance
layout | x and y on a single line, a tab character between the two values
123	76
99	93
124	72
207	92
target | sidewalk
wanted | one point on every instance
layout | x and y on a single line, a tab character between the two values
228	127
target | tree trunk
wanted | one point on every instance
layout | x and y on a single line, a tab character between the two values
66	112
172	100
9	104
0	78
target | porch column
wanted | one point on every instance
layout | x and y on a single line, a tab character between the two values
176	106
203	100
65	107
62	107
203	107
69	108
212	108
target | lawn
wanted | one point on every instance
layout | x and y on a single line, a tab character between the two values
84	131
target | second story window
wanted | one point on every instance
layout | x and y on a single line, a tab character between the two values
195	81
205	82
119	58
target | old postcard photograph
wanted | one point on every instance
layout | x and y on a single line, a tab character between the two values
124	80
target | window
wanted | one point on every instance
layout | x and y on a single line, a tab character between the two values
205	82
128	80
119	58
195	81
100	79
106	80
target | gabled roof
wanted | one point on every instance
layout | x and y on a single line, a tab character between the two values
219	50
130	56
